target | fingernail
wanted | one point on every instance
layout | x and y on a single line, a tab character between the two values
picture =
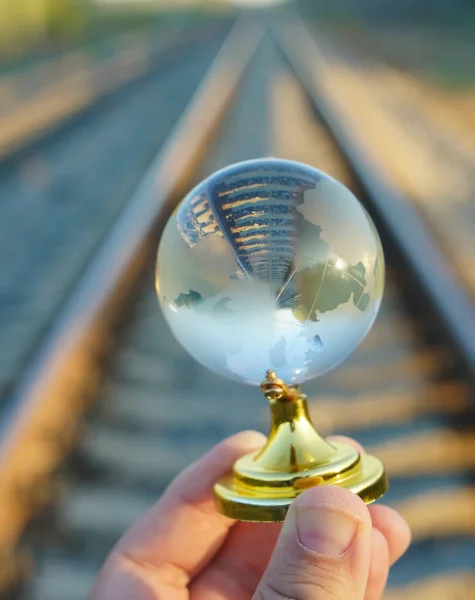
328	532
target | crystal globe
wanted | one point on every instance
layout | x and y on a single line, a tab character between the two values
270	264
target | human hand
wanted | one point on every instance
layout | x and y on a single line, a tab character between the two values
331	546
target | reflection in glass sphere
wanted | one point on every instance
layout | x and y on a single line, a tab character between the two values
270	264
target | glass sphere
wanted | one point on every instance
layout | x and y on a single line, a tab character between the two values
270	264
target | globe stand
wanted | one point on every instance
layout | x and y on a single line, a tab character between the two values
264	484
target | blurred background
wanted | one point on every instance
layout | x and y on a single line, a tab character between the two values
91	91
409	67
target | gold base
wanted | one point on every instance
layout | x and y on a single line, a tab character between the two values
264	484
366	478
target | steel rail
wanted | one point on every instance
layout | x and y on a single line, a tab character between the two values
43	119
400	218
46	398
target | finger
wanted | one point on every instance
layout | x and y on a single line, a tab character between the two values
238	567
181	533
323	550
393	527
379	567
389	522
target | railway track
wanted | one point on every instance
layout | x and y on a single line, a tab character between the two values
64	192
113	408
419	134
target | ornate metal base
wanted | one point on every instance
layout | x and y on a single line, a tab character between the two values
295	458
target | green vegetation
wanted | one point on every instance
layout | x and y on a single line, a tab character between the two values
32	25
32	29
458	14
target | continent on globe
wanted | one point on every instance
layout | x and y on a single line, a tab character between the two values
326	286
188	300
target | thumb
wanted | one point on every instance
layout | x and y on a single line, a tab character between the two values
323	551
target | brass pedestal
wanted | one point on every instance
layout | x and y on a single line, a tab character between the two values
264	484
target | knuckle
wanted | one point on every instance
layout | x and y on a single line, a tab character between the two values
271	590
304	582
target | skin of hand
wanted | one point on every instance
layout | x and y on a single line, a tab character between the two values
330	547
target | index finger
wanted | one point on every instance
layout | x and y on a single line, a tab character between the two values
183	530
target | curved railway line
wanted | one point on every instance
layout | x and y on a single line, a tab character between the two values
109	408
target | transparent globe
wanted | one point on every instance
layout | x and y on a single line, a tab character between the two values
270	264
